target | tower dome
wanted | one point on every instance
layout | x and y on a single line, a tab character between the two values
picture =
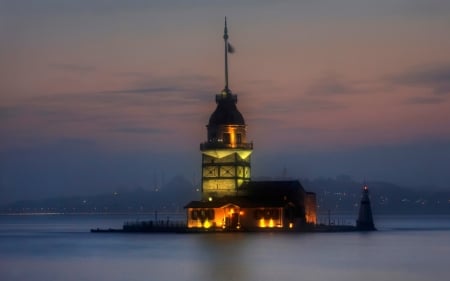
226	112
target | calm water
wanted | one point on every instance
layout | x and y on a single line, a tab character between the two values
59	247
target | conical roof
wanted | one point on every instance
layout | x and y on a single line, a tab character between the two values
226	112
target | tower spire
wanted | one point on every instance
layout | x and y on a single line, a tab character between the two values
225	38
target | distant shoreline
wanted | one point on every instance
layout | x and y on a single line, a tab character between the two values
90	213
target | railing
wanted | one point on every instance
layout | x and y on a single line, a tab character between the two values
218	145
154	226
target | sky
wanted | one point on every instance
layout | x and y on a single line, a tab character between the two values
97	95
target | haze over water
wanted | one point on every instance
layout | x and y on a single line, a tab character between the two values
101	95
61	248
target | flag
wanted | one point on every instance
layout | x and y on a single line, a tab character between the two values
230	48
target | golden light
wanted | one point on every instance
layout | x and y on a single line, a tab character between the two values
217	153
271	224
232	132
262	223
207	224
291	225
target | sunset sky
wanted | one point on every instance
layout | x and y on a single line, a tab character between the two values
98	95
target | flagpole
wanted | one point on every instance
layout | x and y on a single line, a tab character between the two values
225	38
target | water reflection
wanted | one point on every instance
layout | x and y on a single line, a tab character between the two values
54	249
224	256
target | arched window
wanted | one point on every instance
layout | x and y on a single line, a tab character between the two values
194	215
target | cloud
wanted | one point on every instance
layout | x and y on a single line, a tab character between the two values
131	74
434	77
176	90
273	110
424	100
8	112
140	130
318	105
165	89
309	130
301	104
315	98
331	84
429	8
140	109
75	142
173	91
73	68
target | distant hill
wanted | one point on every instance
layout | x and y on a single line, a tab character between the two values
342	195
339	195
172	197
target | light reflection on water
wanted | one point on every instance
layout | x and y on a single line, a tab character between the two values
59	248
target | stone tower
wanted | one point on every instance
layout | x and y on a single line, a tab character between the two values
226	153
365	219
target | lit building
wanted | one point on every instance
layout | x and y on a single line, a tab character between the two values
226	153
230	200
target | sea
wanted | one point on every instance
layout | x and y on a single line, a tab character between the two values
43	247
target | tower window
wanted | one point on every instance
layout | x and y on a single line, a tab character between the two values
226	138
238	138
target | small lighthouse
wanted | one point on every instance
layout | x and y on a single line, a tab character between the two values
365	219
